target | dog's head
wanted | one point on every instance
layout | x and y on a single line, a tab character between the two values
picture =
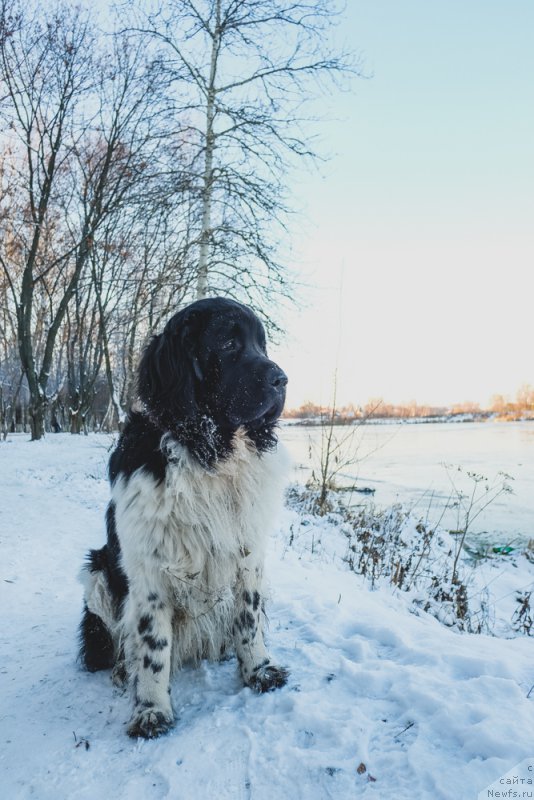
211	362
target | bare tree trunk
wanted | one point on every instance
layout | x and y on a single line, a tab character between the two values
113	400
36	414
207	191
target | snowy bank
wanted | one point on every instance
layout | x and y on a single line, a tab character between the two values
454	575
429	712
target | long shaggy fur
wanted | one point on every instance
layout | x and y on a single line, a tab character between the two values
196	478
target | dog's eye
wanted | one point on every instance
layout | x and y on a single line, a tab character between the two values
229	344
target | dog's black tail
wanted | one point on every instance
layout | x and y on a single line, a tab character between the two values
97	649
96	644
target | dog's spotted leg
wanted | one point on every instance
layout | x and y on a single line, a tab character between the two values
257	669
119	673
148	624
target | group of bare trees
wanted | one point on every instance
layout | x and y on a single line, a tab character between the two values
140	167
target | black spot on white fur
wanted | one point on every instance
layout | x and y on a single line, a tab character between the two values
155	644
145	623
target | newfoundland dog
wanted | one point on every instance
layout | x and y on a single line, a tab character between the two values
195	479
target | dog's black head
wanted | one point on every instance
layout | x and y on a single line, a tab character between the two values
208	373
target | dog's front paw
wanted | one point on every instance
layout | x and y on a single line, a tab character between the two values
268	677
148	723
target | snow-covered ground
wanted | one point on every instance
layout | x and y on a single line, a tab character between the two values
431	713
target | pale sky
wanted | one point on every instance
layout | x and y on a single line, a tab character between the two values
418	246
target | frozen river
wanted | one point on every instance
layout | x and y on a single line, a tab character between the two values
405	463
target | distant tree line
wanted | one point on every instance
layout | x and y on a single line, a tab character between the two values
500	407
141	168
519	408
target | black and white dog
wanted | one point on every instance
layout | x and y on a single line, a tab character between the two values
195	479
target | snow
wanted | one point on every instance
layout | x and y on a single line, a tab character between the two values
494	583
431	713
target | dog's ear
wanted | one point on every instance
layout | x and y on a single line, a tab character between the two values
166	379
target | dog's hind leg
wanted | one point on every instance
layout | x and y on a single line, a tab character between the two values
97	645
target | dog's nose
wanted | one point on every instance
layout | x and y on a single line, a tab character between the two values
278	378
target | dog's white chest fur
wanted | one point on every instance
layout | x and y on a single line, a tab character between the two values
189	539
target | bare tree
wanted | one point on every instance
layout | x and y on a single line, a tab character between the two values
242	69
144	274
117	170
45	68
86	127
